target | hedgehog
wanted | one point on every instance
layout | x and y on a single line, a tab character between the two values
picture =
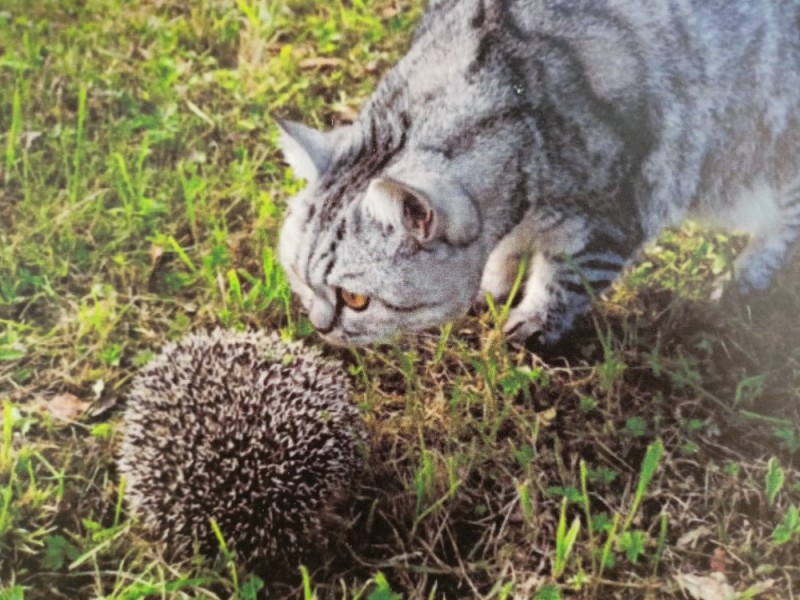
259	435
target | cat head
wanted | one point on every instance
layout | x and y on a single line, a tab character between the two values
374	246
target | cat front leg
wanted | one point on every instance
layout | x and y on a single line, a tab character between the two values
502	267
533	316
562	281
773	239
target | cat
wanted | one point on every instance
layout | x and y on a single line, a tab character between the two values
569	131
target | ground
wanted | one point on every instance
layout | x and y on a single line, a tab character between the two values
141	193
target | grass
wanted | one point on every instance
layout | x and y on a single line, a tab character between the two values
141	197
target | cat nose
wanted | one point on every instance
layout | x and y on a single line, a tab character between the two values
322	315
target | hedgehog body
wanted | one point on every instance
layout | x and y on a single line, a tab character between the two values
257	434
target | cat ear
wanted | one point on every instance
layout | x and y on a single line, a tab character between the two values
308	151
433	208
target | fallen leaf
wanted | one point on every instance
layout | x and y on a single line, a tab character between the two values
547	416
759	588
156	252
30	137
719	561
197	111
320	62
346	114
711	587
67	407
102	407
690	538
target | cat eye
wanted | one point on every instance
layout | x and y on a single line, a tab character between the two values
357	302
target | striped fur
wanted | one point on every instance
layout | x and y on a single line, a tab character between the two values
575	130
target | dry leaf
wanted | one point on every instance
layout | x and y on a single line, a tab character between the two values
320	62
759	588
67	407
346	114
98	388
156	252
711	587
30	137
100	408
547	416
719	561
197	111
690	538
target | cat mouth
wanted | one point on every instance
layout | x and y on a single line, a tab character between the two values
345	338
335	340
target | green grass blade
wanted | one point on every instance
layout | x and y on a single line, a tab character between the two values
77	156
13	133
587	509
8	422
612	536
6	493
565	540
774	480
649	466
661	544
308	593
229	557
176	247
120	498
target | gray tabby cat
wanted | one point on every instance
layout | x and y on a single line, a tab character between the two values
573	129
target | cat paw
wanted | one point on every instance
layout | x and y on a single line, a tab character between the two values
728	290
523	327
723	286
480	304
498	280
